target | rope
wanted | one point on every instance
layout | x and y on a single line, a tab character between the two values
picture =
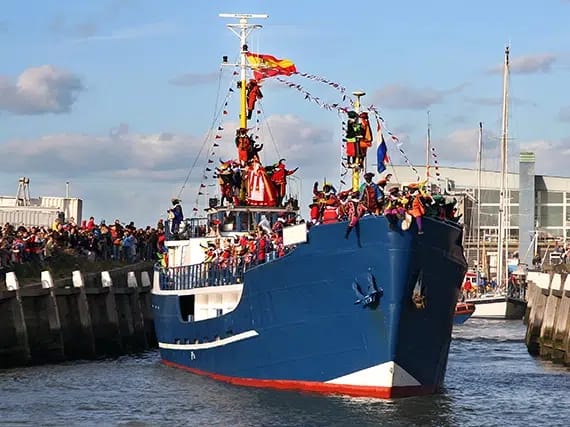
208	135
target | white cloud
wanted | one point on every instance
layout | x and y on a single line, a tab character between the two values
132	176
405	97
552	157
460	146
40	90
529	64
399	96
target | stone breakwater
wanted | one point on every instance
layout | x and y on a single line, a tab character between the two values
80	317
547	316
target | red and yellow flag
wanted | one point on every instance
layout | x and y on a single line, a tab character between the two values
268	66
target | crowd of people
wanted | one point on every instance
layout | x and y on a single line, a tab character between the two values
95	241
409	203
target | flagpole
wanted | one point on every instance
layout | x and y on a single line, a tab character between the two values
356	167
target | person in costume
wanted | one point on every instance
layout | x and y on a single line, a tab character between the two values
371	194
328	202
419	202
352	137
244	145
393	208
354	209
366	136
253	91
279	178
175	216
260	189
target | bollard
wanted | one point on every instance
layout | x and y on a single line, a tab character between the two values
12	281
145	279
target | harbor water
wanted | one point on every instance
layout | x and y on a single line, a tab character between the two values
491	381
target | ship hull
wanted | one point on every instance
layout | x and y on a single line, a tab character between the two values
297	325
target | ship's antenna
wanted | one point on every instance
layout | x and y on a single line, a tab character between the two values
242	29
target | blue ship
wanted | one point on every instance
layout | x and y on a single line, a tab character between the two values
368	314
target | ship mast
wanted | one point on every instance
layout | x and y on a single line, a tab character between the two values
356	168
479	163
242	29
428	147
501	270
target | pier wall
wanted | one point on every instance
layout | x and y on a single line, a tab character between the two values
79	317
548	316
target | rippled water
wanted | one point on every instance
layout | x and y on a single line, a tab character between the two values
491	381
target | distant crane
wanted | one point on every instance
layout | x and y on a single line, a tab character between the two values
23	194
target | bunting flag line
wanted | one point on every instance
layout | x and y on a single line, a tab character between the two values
212	149
309	97
436	166
395	140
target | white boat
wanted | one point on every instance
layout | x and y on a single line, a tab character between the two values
508	300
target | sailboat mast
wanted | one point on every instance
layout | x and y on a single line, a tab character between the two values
501	260
242	30
479	164
428	146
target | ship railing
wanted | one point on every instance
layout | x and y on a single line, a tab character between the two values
215	273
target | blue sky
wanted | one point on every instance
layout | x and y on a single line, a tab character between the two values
117	96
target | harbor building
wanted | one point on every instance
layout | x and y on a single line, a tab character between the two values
538	211
22	209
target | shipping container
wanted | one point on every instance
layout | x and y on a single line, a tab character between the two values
28	216
71	207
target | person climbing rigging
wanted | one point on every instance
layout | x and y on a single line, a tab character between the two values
253	91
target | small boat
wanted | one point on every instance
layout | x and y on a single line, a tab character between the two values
463	311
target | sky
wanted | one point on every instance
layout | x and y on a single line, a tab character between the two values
122	98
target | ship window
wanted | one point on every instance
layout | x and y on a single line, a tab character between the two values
219	312
186	307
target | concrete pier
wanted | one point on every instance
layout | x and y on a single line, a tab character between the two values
80	317
548	316
14	347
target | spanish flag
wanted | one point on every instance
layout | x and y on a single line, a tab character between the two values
268	66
